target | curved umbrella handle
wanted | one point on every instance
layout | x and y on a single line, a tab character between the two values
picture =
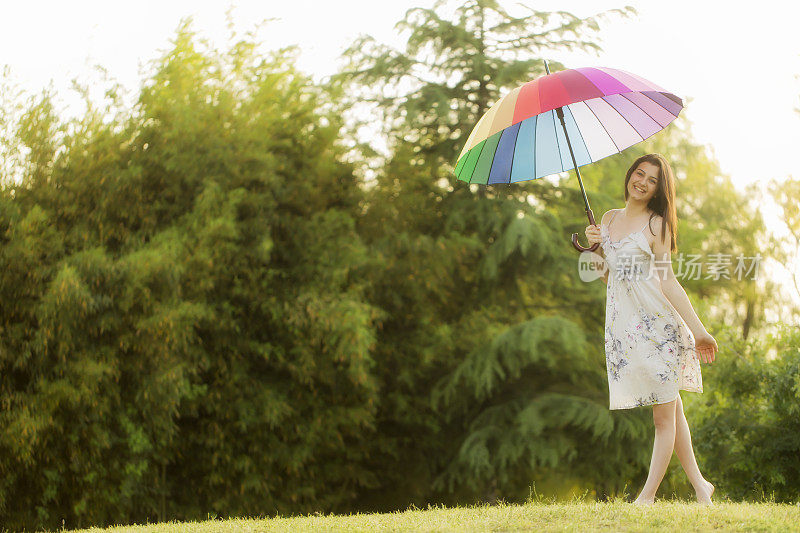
575	242
580	248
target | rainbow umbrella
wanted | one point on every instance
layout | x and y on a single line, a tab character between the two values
601	112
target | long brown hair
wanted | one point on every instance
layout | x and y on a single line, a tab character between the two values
663	201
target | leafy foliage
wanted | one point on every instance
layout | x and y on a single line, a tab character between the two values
749	432
185	331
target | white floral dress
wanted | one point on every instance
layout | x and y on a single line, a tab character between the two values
650	351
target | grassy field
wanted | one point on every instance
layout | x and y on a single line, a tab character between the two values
539	516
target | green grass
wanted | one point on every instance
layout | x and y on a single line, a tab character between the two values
664	515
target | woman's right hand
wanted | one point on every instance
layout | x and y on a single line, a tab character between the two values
593	234
706	346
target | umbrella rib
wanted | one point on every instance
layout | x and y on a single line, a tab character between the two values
603	125
579	133
624	118
643	111
476	161
535	155
513	153
659	105
555	128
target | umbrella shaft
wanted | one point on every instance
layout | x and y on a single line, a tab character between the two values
560	114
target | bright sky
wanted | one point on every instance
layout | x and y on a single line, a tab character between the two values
737	66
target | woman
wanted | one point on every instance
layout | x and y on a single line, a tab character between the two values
654	338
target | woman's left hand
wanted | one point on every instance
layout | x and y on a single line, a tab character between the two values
706	346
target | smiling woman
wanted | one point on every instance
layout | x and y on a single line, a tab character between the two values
654	340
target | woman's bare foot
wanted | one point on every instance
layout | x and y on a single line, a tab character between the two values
643	501
704	493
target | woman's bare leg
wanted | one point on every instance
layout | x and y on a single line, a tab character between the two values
663	445
683	447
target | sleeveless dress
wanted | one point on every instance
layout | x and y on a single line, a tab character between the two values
650	351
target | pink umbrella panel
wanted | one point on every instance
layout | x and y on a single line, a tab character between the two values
605	110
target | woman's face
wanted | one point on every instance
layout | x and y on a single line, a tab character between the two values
644	182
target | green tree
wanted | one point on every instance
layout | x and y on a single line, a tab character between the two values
489	329
432	93
786	195
186	329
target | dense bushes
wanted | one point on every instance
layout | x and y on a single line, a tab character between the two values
182	332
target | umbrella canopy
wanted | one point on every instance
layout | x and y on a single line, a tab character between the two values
605	111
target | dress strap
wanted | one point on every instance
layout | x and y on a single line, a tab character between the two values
646	224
